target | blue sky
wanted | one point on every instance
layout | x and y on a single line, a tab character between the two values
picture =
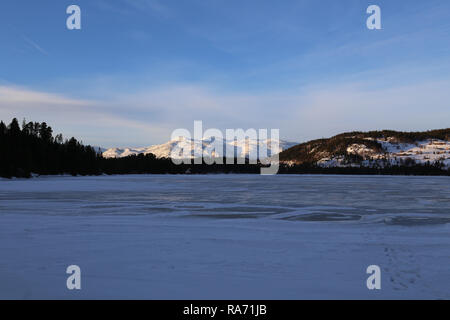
138	69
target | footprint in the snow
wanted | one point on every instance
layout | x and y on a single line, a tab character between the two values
405	272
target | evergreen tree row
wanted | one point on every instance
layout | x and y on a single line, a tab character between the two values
33	149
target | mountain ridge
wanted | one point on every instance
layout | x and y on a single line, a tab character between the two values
204	146
373	149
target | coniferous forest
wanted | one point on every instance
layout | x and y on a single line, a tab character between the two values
32	149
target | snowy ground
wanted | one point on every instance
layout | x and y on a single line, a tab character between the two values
225	236
394	153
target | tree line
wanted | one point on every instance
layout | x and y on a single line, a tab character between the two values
31	148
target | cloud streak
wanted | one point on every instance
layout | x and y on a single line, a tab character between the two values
35	45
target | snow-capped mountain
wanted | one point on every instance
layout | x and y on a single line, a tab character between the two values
242	148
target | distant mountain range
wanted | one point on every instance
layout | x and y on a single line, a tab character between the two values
376	149
205	147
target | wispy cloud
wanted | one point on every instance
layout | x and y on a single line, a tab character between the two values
17	95
88	120
152	5
130	7
34	45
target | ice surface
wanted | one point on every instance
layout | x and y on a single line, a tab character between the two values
225	236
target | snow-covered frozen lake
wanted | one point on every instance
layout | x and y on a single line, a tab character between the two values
225	236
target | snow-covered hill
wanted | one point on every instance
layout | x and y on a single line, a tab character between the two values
392	152
205	147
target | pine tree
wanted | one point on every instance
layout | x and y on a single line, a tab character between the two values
59	138
2	128
14	128
45	132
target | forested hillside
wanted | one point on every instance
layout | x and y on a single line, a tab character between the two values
374	148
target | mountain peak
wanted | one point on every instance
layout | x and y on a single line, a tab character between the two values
242	148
